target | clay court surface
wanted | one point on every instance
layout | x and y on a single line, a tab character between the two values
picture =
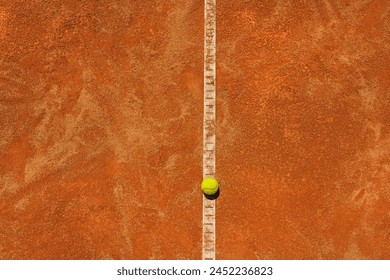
101	116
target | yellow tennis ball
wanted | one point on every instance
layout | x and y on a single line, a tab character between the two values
209	186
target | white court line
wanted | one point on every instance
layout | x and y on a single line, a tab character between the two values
209	84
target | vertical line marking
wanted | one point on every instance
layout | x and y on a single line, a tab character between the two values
209	124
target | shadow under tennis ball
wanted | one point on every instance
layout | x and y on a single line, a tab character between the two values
214	196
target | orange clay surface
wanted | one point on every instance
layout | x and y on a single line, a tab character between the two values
101	114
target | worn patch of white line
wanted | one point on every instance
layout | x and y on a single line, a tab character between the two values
209	121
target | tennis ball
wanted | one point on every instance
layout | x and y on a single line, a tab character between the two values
209	186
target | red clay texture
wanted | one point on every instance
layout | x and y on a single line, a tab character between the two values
101	115
304	129
101	129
